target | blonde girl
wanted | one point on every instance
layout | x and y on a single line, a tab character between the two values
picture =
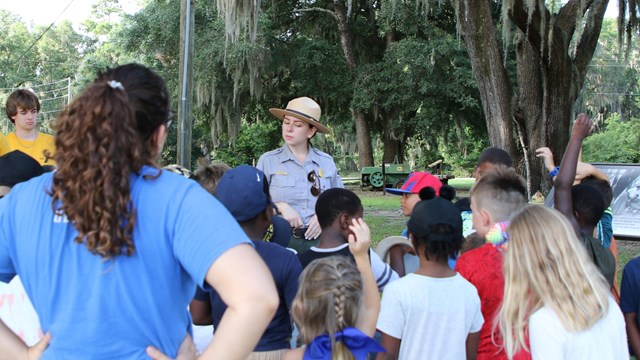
337	304
555	294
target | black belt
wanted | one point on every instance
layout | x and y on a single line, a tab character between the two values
298	233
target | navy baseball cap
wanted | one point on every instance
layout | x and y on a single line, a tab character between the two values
244	191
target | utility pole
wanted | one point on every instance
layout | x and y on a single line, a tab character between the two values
185	115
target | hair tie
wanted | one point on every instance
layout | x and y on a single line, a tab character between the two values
498	235
115	84
355	340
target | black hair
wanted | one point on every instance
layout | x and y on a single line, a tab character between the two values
602	186
147	95
333	202
495	156
440	250
446	192
588	204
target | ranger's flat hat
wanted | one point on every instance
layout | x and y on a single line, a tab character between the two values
305	109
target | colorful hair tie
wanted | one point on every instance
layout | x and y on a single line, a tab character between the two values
498	235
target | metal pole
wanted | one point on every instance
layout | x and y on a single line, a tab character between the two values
184	141
68	90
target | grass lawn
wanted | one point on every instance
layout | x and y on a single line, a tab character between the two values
383	215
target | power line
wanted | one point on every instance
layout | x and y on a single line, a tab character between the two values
40	92
620	94
38	85
54	98
44	32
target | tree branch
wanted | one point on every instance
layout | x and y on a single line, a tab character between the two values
530	24
566	18
317	9
589	39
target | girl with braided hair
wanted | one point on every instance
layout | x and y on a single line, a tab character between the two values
337	304
110	247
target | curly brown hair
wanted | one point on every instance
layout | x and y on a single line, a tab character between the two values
102	138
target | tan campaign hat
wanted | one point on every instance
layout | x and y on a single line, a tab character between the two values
305	109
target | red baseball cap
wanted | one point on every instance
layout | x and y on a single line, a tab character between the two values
416	182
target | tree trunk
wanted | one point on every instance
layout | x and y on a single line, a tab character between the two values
462	144
476	26
550	79
528	111
363	134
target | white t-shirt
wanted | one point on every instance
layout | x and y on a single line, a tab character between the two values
607	339
431	316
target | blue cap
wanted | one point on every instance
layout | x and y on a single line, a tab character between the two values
244	191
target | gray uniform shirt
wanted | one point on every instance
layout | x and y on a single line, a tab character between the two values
288	180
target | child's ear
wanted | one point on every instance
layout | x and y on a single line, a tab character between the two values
486	219
267	214
345	220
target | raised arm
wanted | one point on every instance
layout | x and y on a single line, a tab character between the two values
359	243
567	174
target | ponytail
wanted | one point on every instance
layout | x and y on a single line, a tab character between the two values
98	146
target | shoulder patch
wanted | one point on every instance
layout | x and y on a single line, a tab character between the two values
321	153
272	152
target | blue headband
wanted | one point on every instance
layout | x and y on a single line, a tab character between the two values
355	340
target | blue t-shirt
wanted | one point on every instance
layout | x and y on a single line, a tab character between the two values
286	269
630	288
113	309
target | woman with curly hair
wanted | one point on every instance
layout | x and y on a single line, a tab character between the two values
110	247
554	293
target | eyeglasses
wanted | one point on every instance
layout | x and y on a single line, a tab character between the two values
170	118
315	188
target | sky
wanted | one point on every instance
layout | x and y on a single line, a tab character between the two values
44	12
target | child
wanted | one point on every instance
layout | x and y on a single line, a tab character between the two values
582	204
22	108
630	303
489	158
433	313
555	294
497	195
208	176
585	174
336	208
336	307
244	191
402	257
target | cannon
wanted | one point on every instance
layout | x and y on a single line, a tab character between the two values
394	176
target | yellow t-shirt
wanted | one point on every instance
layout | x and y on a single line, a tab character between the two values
34	148
4	145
